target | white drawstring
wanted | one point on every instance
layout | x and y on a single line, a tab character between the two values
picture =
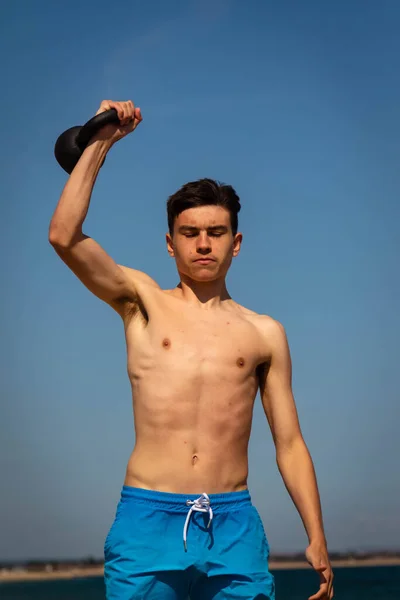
202	504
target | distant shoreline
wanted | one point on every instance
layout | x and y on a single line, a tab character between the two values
21	575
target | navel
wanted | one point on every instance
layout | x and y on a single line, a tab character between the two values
166	343
240	362
194	459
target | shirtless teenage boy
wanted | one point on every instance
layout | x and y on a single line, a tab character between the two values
185	524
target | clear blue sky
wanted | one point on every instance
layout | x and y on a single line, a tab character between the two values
296	104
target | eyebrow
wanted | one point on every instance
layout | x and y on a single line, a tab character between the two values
192	228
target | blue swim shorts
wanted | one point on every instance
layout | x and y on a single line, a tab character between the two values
164	546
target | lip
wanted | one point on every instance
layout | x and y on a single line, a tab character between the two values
204	261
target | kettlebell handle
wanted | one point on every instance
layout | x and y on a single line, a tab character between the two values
71	143
94	125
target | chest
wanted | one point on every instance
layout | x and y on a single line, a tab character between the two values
220	340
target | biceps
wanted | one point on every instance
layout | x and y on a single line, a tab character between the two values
280	408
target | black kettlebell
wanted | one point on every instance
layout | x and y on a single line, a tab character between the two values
70	145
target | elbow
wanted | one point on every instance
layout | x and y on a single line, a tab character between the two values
59	238
289	445
57	241
54	236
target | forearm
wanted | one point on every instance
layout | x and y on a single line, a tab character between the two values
74	201
297	470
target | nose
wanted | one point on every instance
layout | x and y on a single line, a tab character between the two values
203	245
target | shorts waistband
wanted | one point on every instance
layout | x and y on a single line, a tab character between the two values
178	502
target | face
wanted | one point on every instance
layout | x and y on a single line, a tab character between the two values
202	243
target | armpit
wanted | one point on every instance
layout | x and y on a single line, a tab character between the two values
128	308
262	373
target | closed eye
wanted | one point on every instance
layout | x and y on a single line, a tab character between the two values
212	234
212	231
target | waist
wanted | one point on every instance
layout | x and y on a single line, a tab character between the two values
178	473
176	502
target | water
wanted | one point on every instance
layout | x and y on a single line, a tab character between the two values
364	583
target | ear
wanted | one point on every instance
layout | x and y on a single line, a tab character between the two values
237	241
170	245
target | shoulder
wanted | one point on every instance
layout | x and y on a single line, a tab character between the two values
272	334
271	327
139	277
267	325
271	331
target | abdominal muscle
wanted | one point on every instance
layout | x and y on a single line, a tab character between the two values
171	470
191	443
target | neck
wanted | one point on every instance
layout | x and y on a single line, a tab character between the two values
206	294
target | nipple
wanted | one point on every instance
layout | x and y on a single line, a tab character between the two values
240	362
166	343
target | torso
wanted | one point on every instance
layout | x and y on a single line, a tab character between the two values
194	381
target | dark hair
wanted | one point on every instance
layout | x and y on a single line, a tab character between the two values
201	193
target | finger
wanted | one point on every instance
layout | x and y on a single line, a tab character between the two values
330	587
118	107
317	564
130	110
320	568
138	114
131	125
131	107
322	593
105	105
136	120
329	579
127	113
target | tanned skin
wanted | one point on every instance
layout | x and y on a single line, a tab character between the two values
196	358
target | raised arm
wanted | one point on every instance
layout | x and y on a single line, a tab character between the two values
112	283
293	458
